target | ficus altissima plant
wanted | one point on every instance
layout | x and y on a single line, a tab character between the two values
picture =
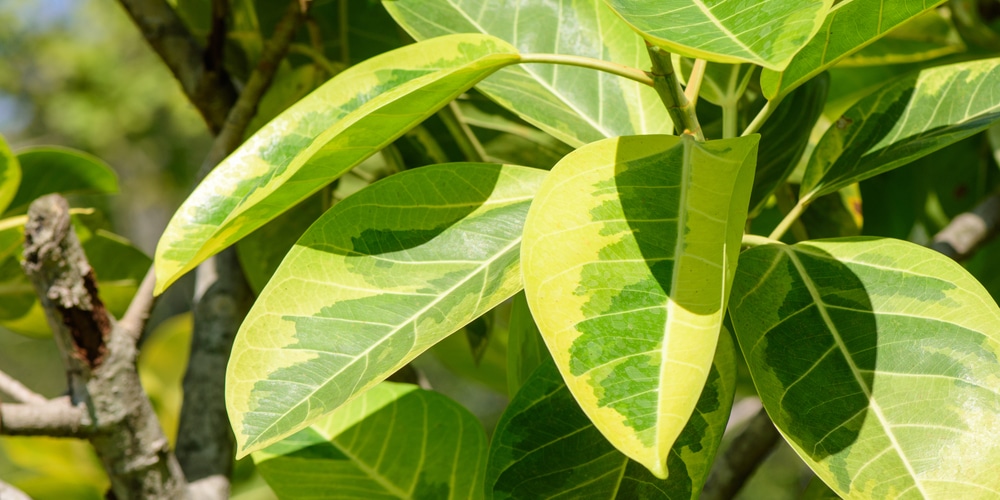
706	146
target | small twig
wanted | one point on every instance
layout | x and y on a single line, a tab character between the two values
467	141
790	218
18	391
741	458
55	418
762	116
243	111
9	492
209	89
968	231
667	85
134	320
588	62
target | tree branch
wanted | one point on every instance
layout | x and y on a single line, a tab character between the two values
208	88
205	444
17	391
55	418
100	362
968	231
741	458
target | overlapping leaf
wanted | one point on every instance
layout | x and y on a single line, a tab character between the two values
629	250
545	446
785	137
526	350
381	277
10	175
764	32
878	361
906	120
394	441
348	119
850	26
925	37
576	105
50	169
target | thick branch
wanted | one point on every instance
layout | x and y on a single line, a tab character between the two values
206	84
968	231
668	87
55	418
100	360
741	458
205	444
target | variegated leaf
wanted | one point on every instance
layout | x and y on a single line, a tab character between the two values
576	105
346	120
545	446
763	32
629	250
378	279
395	441
879	361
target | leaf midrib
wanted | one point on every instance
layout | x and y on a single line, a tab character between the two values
485	265
835	333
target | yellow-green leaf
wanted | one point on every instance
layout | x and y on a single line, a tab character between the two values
346	120
879	361
628	254
393	442
378	279
764	32
850	26
10	175
575	105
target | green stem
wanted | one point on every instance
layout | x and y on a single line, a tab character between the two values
667	85
730	116
753	240
319	59
790	218
466	140
589	62
694	81
762	117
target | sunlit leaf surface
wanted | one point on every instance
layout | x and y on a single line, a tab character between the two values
378	279
764	32
49	169
394	441
545	446
850	26
878	361
576	105
346	120
906	120
628	254
10	175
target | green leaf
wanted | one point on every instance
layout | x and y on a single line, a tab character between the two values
723	84
925	37
545	446
526	350
262	251
576	105
877	359
764	32
394	441
348	119
784	138
50	169
10	175
850	26
629	250
381	277
906	120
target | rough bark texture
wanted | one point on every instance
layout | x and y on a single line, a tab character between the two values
967	232
100	361
200	74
